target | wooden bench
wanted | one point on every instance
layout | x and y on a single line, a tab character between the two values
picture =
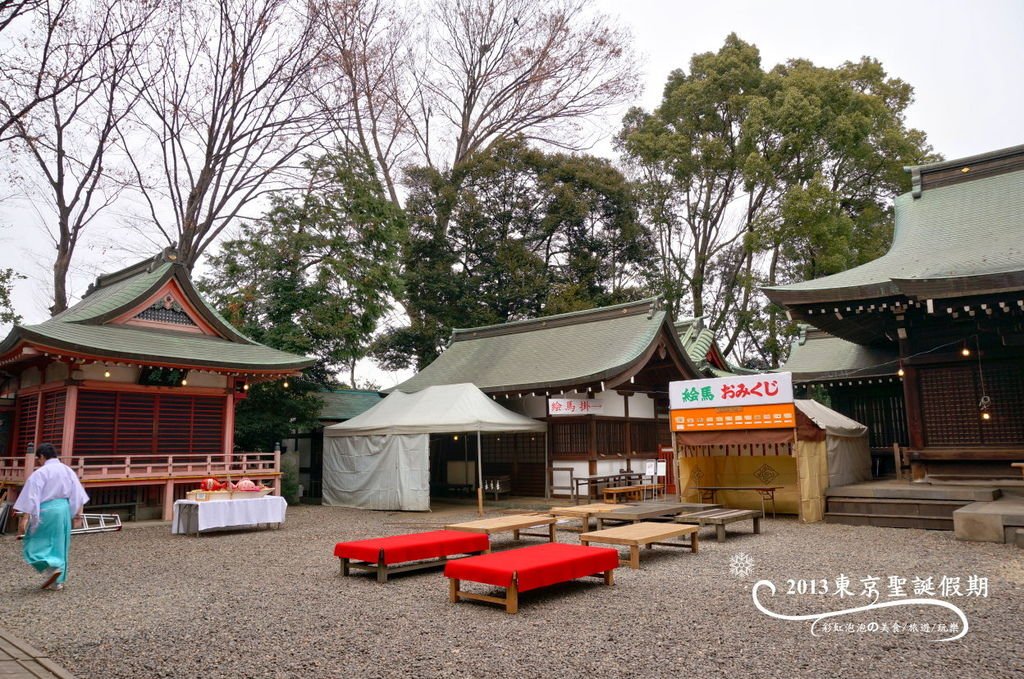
512	522
644	534
520	570
719	518
132	507
411	552
629	493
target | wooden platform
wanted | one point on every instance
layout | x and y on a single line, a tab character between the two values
511	522
720	518
584	512
650	511
647	534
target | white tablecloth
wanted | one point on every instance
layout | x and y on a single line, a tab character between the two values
190	515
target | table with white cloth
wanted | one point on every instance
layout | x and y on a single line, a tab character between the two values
191	516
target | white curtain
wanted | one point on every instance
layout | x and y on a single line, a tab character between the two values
378	472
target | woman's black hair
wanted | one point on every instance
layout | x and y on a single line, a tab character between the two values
46	451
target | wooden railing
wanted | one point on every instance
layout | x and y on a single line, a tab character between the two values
149	466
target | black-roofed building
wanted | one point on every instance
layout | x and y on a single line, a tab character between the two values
136	387
339	405
599	378
862	382
943	309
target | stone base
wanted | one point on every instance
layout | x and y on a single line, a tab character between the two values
995	521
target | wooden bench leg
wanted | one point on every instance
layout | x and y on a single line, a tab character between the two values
515	533
634	557
345	571
609	578
693	542
720	530
757	525
512	598
551	532
453	590
382	570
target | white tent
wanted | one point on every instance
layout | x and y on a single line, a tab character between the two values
381	458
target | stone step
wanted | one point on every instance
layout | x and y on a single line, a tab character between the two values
914	491
894	506
990	521
890	520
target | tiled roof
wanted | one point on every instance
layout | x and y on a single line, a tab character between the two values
818	356
953	240
344	404
83	329
549	352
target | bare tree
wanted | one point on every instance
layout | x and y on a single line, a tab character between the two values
36	65
366	82
536	68
433	89
226	114
12	9
86	49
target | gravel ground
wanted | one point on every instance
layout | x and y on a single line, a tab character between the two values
145	603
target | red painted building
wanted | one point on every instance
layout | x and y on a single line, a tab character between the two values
136	386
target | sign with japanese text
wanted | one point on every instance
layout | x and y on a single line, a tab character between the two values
724	392
771	416
574	406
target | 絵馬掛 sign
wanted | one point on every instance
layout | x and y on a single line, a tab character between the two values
574	406
726	392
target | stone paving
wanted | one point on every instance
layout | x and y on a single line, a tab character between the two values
18	659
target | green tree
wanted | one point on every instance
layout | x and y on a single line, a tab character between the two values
314	277
751	177
271	413
317	274
513	233
7	314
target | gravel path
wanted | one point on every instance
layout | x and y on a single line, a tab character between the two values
144	603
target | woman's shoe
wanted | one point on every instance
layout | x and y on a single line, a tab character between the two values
51	576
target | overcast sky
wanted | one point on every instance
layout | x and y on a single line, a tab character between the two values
965	61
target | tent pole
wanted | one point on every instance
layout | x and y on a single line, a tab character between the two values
479	477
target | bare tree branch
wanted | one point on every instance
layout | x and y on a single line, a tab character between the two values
86	49
229	108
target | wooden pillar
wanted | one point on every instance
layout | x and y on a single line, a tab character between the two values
629	433
592	446
70	413
37	426
168	500
915	425
229	422
277	468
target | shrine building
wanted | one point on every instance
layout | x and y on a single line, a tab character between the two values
925	345
136	387
598	378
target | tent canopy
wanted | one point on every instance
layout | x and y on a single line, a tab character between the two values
834	424
446	408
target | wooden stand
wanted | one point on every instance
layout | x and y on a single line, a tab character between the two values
511	599
382	570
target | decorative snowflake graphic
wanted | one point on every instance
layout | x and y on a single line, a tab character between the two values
766	473
741	565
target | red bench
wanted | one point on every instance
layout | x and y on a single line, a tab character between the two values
520	570
427	550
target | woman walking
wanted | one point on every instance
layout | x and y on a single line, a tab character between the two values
51	497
